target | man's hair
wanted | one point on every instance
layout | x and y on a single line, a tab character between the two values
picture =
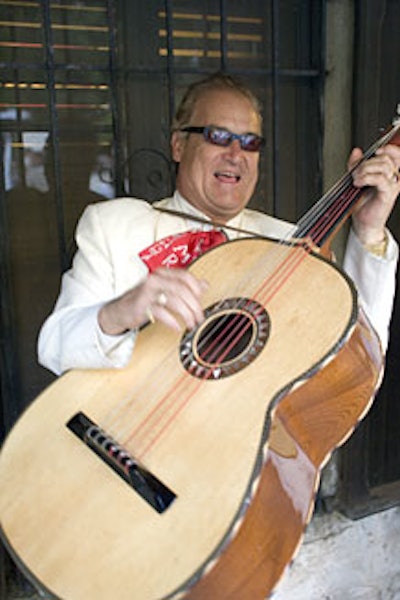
217	81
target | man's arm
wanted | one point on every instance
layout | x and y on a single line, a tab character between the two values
375	280
372	253
71	336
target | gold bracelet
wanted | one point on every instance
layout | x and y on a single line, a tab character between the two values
378	248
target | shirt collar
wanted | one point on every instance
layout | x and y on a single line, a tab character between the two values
181	204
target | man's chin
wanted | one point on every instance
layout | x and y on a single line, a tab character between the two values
227	211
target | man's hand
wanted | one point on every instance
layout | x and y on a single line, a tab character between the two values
382	174
167	295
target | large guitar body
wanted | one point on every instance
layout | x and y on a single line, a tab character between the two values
237	444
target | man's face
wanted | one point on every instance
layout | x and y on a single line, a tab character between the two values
217	180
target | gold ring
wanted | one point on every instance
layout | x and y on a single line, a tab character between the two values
162	299
150	315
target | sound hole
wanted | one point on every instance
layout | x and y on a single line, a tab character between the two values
232	336
211	345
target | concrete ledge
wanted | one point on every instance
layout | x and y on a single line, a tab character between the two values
342	559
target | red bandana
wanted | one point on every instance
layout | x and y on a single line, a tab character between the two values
178	251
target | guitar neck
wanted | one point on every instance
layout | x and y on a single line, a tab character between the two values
321	223
327	217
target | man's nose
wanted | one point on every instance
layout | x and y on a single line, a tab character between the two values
234	148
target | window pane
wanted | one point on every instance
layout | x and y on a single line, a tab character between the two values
21	32
80	33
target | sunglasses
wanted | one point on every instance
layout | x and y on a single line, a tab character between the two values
222	137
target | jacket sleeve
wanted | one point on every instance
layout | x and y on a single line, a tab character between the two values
375	280
71	336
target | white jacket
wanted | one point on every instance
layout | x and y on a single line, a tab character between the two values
110	235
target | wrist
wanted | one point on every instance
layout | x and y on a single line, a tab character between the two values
379	248
107	322
369	235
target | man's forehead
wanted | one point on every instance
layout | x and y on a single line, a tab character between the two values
221	105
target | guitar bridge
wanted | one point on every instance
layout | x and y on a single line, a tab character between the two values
151	489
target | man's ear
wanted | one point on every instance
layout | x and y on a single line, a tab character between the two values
177	145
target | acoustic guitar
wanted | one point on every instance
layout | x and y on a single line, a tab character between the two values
192	473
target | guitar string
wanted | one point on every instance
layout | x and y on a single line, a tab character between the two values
151	423
162	403
226	351
216	338
156	380
263	299
346	179
304	223
264	296
177	408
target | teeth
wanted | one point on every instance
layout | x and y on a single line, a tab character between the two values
227	174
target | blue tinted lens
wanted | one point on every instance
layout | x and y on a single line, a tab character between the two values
223	137
251	142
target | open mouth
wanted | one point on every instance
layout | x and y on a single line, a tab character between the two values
227	176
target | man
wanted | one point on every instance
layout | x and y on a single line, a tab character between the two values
111	291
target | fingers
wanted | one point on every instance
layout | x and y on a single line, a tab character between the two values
392	154
174	295
171	296
355	156
382	171
381	175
